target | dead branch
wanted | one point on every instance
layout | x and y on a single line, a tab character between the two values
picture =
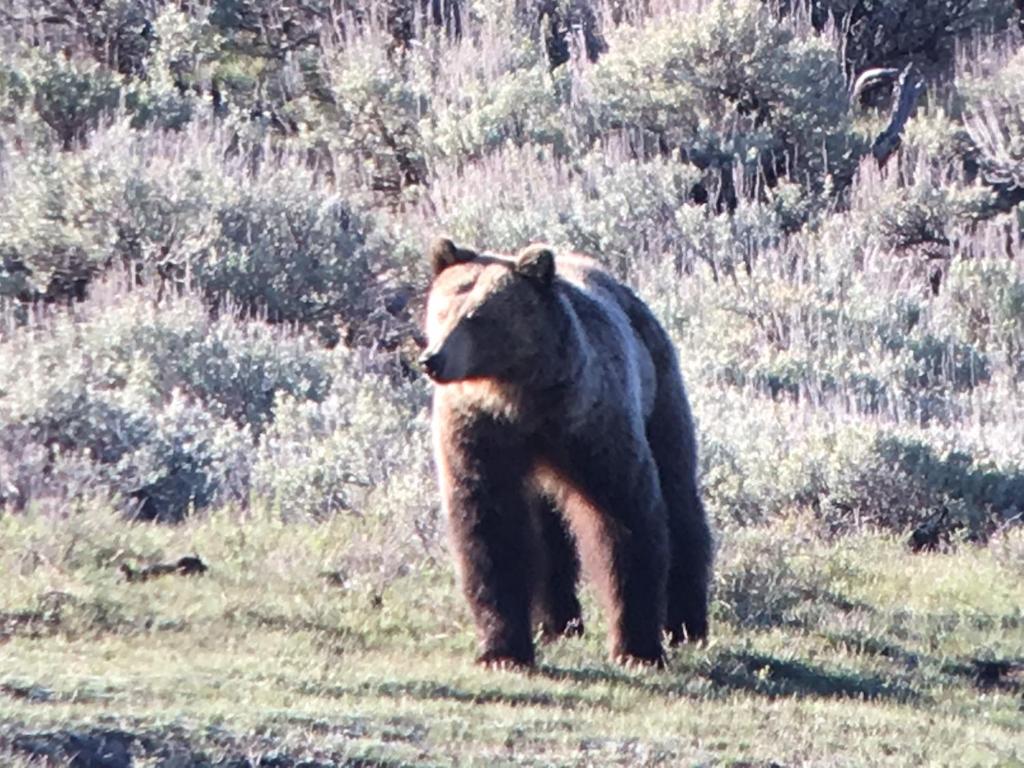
908	90
870	78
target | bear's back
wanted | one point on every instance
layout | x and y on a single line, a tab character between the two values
627	343
588	276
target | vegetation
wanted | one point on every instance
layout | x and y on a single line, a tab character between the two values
318	644
211	224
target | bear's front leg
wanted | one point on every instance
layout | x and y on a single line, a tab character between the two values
556	607
482	470
618	515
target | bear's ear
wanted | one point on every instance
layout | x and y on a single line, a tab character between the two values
536	262
444	253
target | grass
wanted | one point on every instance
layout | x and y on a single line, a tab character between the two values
849	652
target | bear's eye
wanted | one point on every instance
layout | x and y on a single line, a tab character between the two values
473	319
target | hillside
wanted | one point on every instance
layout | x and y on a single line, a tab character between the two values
212	224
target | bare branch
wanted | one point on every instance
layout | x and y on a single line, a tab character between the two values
869	78
908	90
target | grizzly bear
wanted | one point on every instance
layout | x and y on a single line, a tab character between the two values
560	423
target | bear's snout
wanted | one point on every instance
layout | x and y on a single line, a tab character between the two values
432	362
450	358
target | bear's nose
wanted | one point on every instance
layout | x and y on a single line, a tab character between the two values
433	363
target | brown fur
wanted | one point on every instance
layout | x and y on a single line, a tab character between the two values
561	424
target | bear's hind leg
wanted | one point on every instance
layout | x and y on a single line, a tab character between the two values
671	436
689	570
556	607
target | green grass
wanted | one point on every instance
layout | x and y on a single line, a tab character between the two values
853	652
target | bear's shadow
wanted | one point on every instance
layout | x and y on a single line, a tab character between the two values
760	674
773	677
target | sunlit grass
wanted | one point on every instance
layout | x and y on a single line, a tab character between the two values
863	654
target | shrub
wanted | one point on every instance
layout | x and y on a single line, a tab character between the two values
282	247
189	460
898	483
205	193
115	33
730	86
623	212
155	463
58	221
159	403
70	96
627	211
169	97
985	306
15	94
848	474
798	319
358	446
994	119
509	198
522	106
880	33
272	242
926	208
368	114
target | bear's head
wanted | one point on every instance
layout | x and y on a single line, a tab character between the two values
488	316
